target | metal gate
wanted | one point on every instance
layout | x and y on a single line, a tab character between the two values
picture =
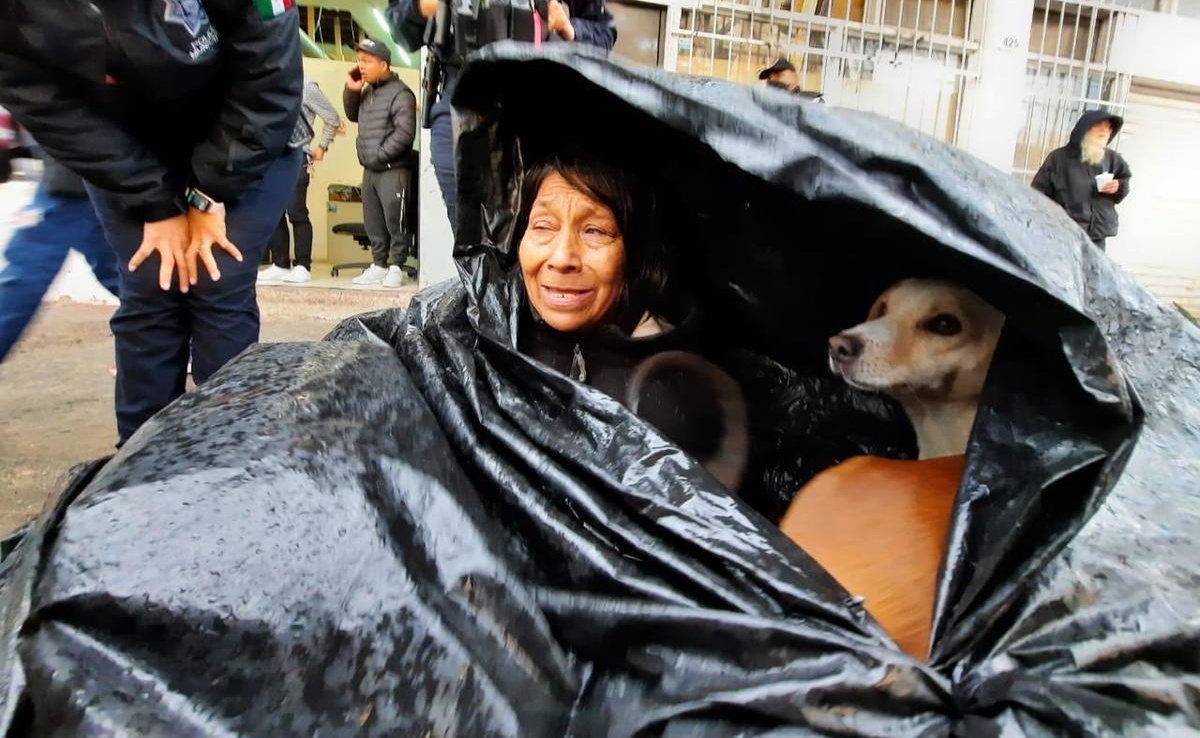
911	60
905	59
1068	72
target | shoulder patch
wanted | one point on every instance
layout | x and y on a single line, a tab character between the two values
270	8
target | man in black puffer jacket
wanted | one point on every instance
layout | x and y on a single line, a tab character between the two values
385	110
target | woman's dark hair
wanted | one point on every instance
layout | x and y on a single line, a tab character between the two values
633	207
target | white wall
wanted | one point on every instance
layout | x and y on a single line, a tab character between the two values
1159	47
992	112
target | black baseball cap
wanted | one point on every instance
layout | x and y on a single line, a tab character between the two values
380	51
780	65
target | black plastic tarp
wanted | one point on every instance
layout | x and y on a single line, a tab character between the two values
411	529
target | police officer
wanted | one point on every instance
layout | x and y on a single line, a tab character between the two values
178	113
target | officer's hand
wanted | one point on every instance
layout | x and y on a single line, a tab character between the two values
208	230
1111	187
559	20
317	153
168	238
428	8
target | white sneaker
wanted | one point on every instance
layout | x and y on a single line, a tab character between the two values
394	278
371	275
298	275
272	274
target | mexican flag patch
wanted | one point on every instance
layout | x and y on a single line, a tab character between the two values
272	8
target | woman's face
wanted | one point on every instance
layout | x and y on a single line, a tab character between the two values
572	257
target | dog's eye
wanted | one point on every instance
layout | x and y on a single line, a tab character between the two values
944	325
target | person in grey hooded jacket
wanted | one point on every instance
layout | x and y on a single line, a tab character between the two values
386	112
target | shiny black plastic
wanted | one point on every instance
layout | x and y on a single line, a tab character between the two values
410	529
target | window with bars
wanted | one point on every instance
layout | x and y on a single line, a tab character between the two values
905	59
1067	73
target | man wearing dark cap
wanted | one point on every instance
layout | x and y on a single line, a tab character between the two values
385	110
781	74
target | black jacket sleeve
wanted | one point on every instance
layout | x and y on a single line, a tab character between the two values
259	114
351	101
46	102
1122	174
1043	181
407	22
61	181
404	126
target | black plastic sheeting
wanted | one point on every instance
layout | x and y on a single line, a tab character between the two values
411	529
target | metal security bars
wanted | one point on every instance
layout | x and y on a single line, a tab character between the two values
905	59
1068	72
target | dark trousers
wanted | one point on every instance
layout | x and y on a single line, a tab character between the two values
385	196
302	232
35	255
156	330
441	139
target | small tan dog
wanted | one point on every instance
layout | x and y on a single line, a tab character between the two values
879	526
928	344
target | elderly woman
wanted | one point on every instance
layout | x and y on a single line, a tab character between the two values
602	308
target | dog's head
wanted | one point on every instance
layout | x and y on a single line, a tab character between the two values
923	339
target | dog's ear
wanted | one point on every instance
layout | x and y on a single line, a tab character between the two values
880	308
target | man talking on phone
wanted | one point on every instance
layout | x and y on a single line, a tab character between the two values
178	114
385	110
567	21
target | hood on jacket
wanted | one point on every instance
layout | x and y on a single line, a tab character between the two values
1091	118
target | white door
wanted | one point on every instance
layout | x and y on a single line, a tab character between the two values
1159	239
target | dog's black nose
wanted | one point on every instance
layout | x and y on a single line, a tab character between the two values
844	348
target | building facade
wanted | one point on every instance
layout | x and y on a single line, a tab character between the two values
1003	79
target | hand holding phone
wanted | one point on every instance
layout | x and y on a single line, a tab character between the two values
354	79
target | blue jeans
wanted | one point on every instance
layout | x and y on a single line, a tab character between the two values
36	254
441	139
156	330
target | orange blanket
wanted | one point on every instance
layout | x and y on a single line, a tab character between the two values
879	526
